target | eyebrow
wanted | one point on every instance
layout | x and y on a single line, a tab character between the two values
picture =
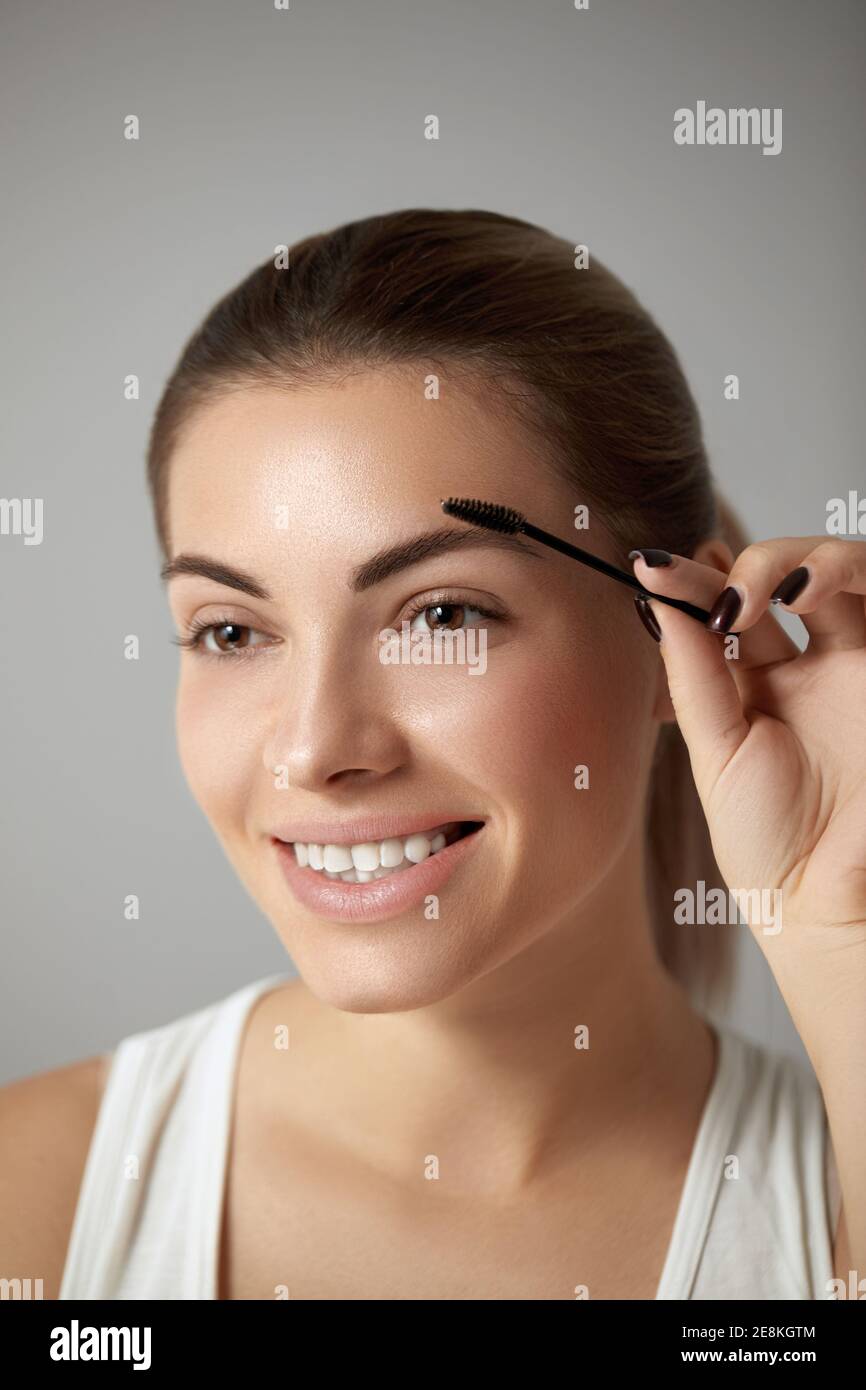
440	542
217	571
371	572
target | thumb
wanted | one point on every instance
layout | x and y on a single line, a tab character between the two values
703	691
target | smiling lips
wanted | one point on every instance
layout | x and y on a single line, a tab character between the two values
371	879
361	863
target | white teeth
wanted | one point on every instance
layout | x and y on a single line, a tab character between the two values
366	857
391	853
417	848
338	858
363	862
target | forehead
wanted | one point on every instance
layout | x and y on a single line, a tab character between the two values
368	451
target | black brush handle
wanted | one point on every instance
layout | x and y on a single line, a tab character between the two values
596	563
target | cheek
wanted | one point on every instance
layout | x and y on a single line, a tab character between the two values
527	725
219	748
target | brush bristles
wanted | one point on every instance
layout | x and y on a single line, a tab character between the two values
487	514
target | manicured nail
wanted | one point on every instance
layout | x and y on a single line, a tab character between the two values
724	610
647	617
791	586
653	558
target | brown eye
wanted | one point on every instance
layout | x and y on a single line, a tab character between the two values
229	636
223	639
446	615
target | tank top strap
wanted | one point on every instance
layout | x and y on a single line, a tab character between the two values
147	1219
756	1225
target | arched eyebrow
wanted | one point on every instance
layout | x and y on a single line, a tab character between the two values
216	570
440	542
379	567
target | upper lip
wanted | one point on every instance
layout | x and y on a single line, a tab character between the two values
358	832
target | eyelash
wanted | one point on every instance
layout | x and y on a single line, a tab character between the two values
450	601
195	631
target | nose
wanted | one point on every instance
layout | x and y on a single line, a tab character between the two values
335	724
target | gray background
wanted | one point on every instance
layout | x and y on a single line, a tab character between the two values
259	127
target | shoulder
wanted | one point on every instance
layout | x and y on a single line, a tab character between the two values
46	1125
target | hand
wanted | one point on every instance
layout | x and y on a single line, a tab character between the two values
776	736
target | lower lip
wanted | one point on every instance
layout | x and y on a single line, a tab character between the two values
379	899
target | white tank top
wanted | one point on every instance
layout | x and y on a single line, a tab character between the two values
166	1111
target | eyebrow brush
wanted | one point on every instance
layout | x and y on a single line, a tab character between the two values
495	518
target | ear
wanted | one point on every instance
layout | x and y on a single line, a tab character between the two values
718	555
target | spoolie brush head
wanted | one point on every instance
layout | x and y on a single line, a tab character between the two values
487	514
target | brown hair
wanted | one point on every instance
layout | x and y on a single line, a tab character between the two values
572	354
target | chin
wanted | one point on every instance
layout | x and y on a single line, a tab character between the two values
367	977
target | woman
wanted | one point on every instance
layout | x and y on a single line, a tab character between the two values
493	1077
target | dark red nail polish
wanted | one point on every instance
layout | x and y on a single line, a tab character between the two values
724	610
791	586
647	617
653	558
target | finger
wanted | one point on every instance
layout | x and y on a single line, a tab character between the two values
765	643
810	571
703	692
825	591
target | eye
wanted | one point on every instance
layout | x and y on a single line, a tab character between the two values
222	639
229	637
444	614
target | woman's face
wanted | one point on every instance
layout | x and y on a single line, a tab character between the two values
292	729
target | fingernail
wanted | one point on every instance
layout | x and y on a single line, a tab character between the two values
791	586
653	558
647	617
724	610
